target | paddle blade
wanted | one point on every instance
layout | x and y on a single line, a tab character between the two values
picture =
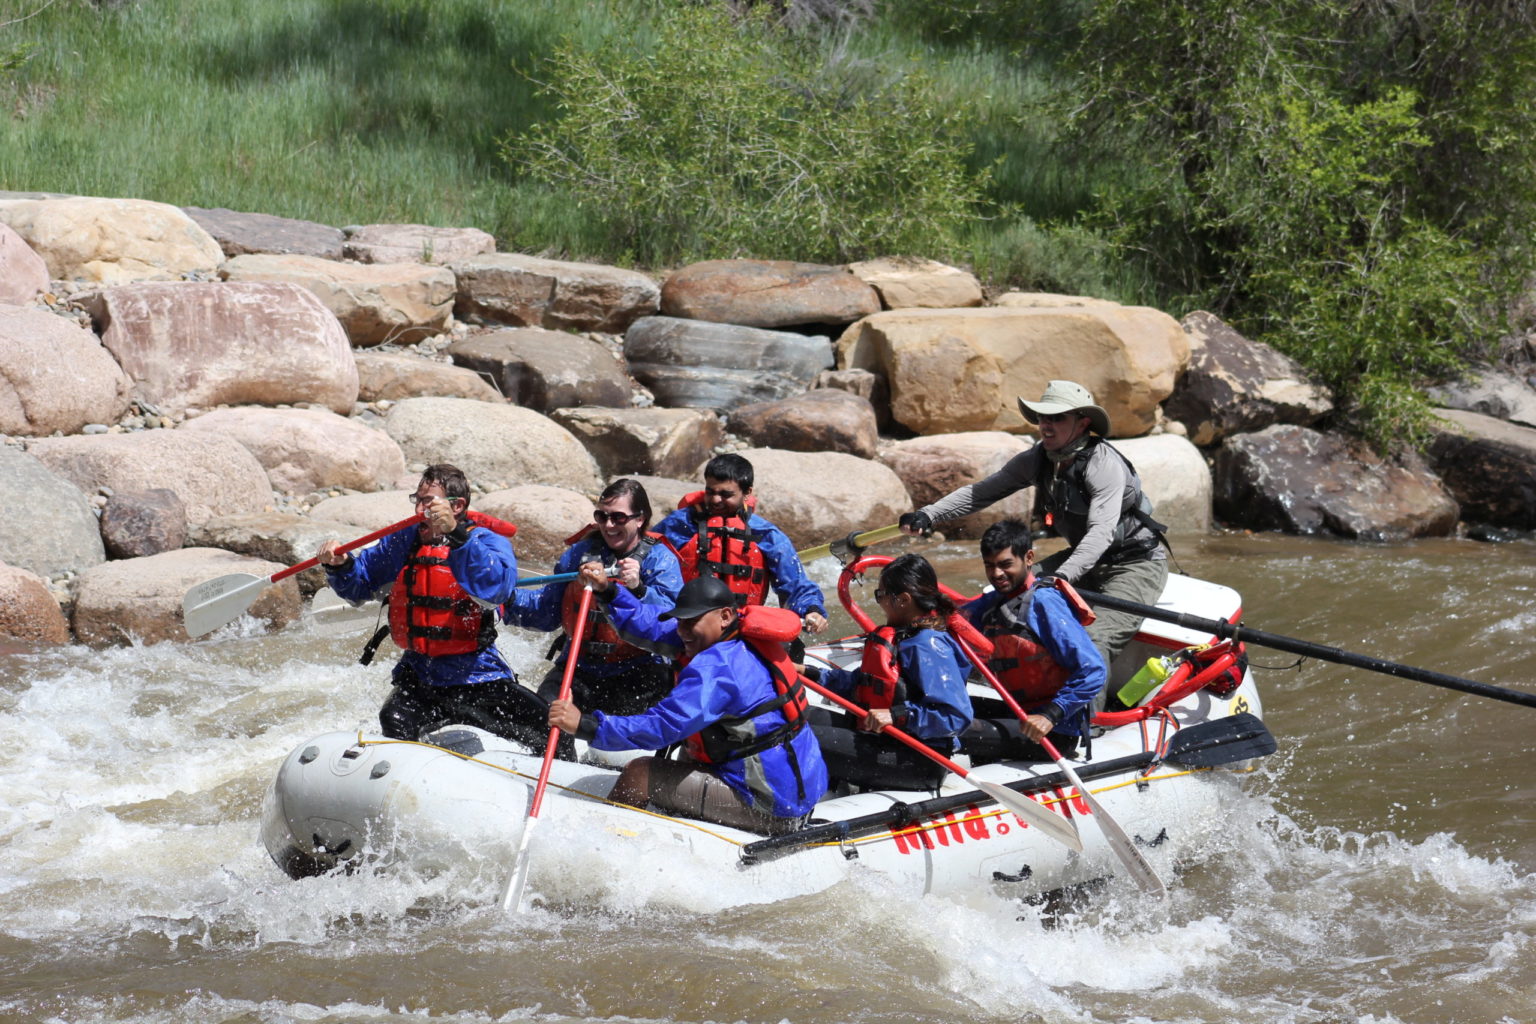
512	895
220	601
1241	737
1057	826
1129	856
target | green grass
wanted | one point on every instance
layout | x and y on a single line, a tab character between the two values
362	111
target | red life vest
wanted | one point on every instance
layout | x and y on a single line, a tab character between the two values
429	612
726	548
880	685
600	641
1021	664
765	631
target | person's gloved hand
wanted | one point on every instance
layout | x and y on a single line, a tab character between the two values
916	523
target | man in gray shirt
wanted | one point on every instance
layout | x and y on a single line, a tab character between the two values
1092	497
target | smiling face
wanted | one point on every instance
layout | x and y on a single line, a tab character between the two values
723	498
1006	571
703	631
621	536
1060	429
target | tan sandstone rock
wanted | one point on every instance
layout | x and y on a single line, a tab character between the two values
933	466
416	243
386	375
529	291
285	538
28	612
112	241
1175	477
306	450
23	274
495	445
376	303
364	513
72	540
544	516
206	344
212	475
909	283
766	293
825	420
139	599
815	497
627	442
954	370
55	375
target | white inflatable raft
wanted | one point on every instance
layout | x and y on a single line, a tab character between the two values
1162	771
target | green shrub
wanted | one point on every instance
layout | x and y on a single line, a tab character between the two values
726	138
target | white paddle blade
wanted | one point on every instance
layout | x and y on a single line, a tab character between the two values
1057	826
512	895
221	601
1130	858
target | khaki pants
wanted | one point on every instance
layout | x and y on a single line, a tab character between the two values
1141	580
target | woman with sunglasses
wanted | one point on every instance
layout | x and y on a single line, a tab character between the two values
912	676
611	675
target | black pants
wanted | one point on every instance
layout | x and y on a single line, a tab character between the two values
642	683
999	739
500	706
871	760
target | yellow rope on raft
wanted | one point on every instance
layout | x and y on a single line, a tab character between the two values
698	827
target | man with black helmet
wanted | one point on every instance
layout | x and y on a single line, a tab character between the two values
1091	496
736	710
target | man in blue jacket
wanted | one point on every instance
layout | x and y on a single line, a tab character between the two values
748	759
1042	653
717	532
450	576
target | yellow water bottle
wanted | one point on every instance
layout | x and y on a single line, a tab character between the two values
1147	678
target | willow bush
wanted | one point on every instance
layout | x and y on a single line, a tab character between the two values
727	137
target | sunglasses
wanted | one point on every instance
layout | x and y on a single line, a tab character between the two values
1056	417
614	518
418	500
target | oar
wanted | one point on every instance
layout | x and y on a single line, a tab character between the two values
221	601
1223	628
1130	858
562	577
1239	737
512	897
850	546
1057	826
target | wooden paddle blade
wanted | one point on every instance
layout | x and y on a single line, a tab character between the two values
1240	737
220	601
1057	826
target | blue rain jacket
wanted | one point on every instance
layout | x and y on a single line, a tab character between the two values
934	670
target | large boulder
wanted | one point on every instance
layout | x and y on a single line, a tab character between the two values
307	450
1489	465
239	234
376	303
825	420
955	370
815	497
495	445
286	538
627	442
364	513
28	612
139	599
1236	386
416	243
206	344
544	516
767	293
55	375
1298	480
1495	393
931	467
910	283
390	376
1175	476
23	274
139	523
211	474
112	241
666	493
721	366
546	370
528	291
64	534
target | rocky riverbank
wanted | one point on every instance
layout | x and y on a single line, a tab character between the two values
187	393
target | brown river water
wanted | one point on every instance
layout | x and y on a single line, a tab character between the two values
1380	868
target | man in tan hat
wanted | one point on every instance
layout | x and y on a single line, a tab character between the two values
1091	496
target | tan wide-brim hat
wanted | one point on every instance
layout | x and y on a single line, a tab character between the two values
1065	396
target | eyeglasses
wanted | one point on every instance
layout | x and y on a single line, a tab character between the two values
614	518
417	500
880	595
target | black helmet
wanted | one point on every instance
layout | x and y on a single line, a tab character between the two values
699	595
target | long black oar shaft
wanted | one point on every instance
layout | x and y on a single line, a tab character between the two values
1237	632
